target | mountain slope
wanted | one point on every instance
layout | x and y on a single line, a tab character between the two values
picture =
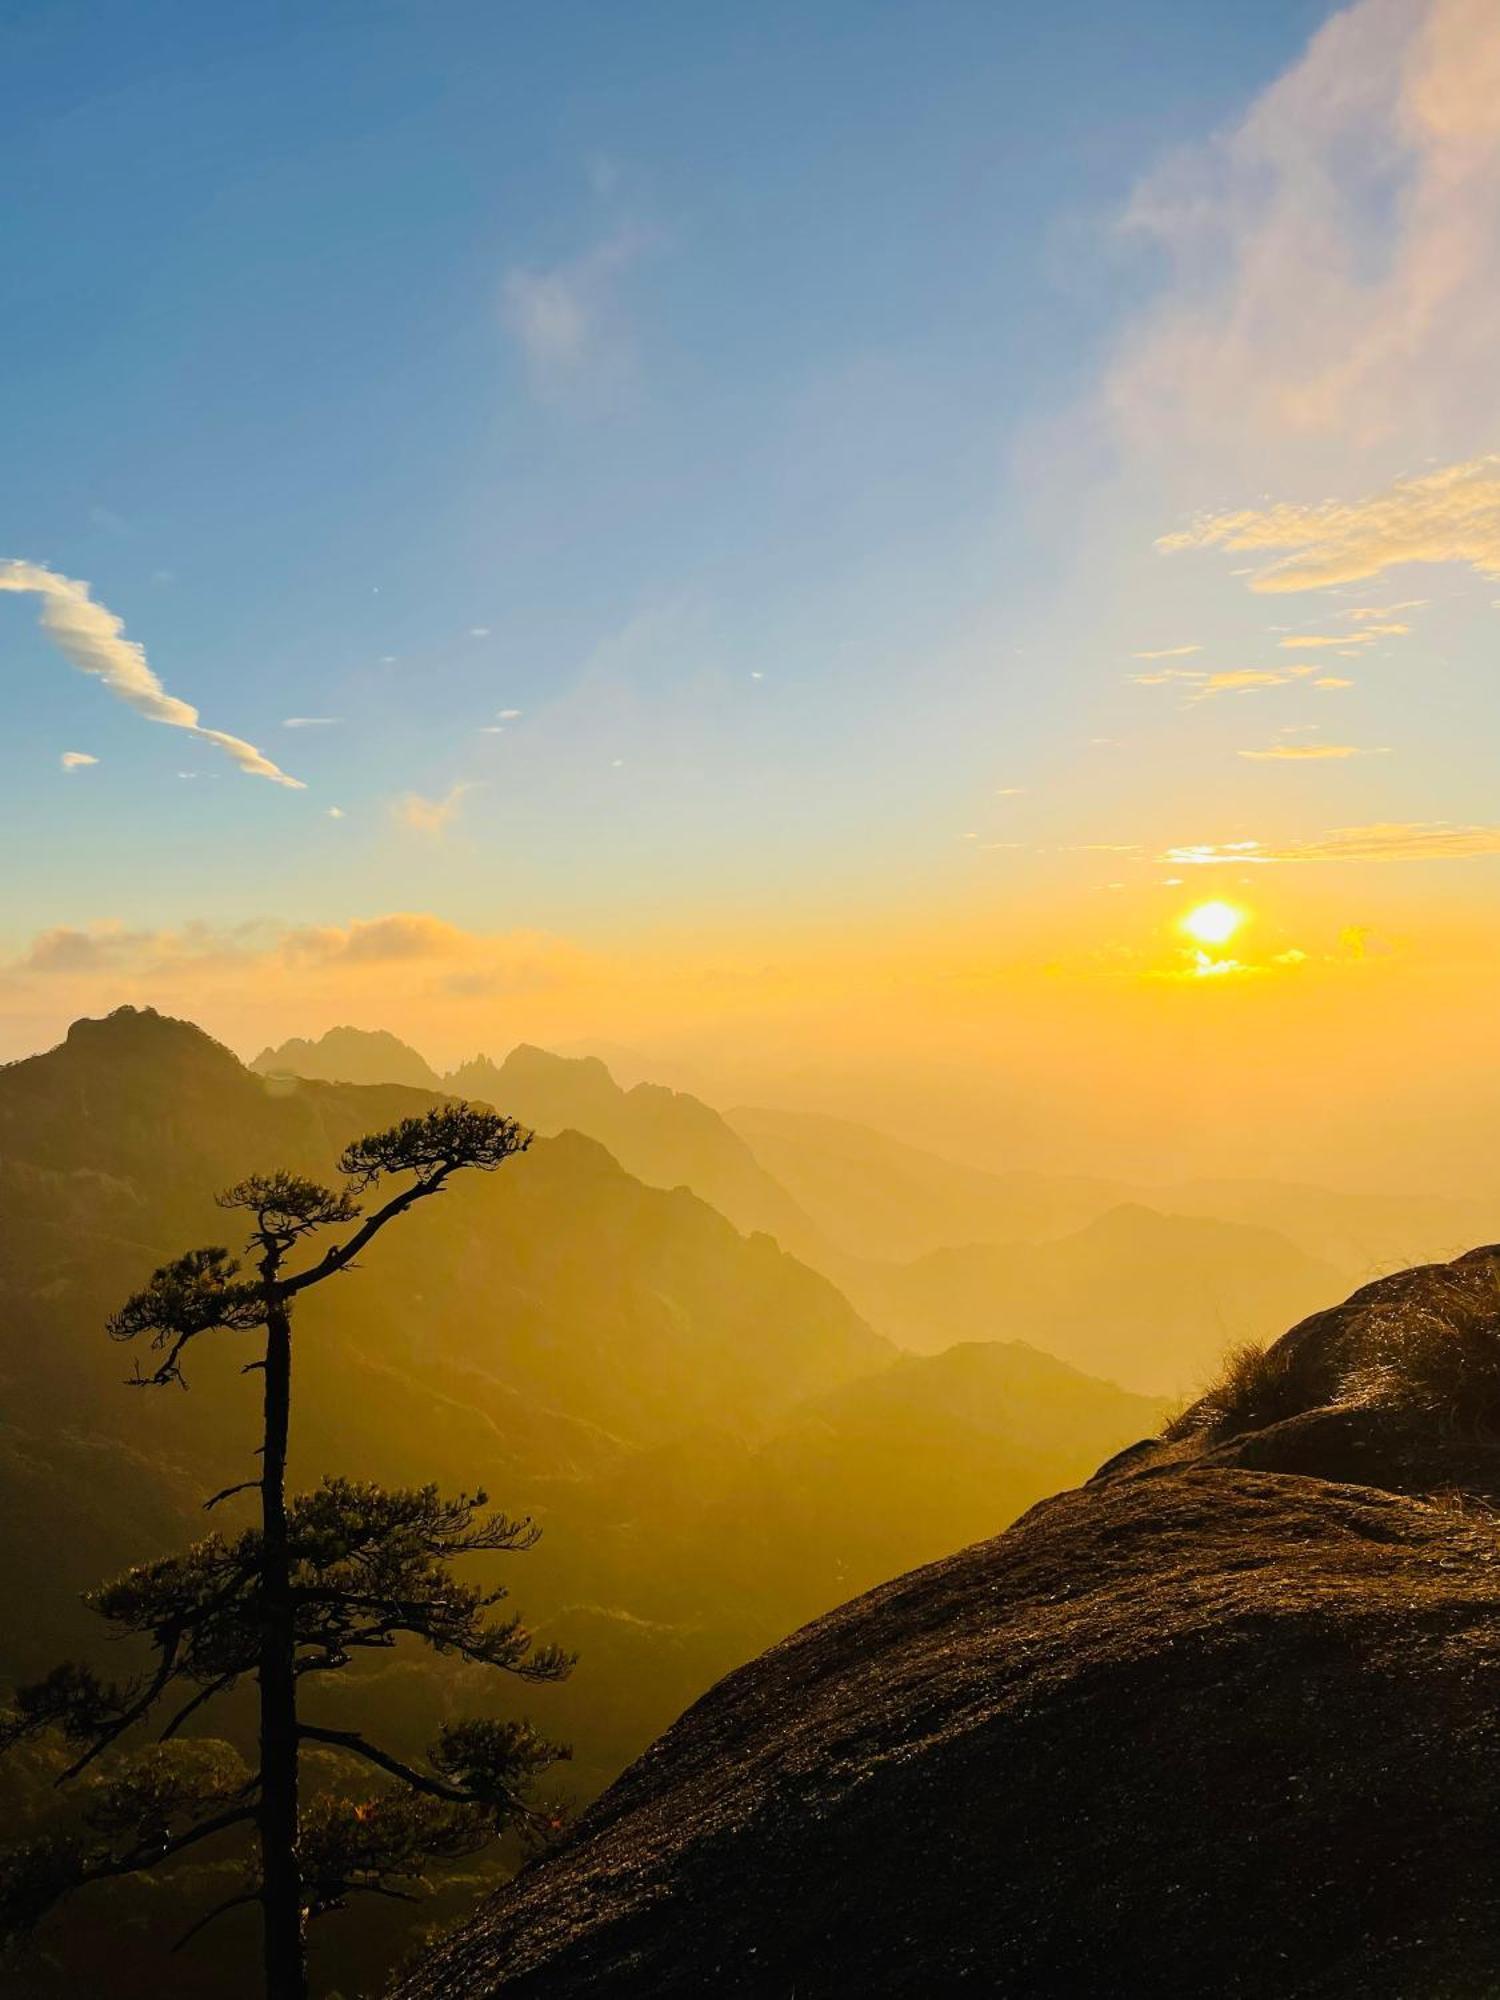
1219	1722
1138	1297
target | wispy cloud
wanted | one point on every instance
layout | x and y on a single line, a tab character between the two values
1300	642
1309	753
1387	840
1450	516
430	816
1202	685
311	721
93	640
1368	611
1168	653
76	760
565	318
1334	262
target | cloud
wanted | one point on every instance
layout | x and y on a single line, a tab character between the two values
376	940
509	714
1231	680
1334	265
311	721
1387	611
433	816
1308	753
426	952
1449	516
334	812
1310	639
565	319
76	760
93	639
1168	653
1395	840
1332	681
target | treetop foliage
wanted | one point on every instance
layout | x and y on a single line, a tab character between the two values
434	1145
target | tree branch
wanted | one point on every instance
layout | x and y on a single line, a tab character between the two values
358	1746
343	1254
203	1695
245	1485
142	1858
219	1910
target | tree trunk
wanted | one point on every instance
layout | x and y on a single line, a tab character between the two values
281	1877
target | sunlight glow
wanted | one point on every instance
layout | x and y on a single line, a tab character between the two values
1212	923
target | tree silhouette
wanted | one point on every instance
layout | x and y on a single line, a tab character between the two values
323	1577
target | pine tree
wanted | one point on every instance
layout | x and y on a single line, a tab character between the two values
323	1577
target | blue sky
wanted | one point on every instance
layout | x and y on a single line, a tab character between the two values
265	392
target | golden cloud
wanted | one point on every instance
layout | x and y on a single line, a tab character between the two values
1443	517
1386	840
1309	753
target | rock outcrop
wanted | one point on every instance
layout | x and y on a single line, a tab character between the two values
1224	1721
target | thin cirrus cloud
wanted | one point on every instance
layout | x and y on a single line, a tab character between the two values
76	760
311	721
1300	640
1449	516
430	816
1309	753
1202	686
1334	264
92	639
1168	653
1386	840
566	320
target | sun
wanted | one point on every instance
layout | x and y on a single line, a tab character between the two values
1212	923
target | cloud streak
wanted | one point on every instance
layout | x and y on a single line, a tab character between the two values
1309	753
92	639
1449	516
1386	840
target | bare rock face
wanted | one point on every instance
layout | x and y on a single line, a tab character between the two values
1224	1721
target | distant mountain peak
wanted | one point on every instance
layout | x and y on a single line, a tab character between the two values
350	1055
141	1032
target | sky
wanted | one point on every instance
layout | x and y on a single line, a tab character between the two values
801	543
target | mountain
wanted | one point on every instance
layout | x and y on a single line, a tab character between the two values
1146	1299
350	1055
715	1442
1363	1235
664	1137
879	1474
877	1198
1221	1721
